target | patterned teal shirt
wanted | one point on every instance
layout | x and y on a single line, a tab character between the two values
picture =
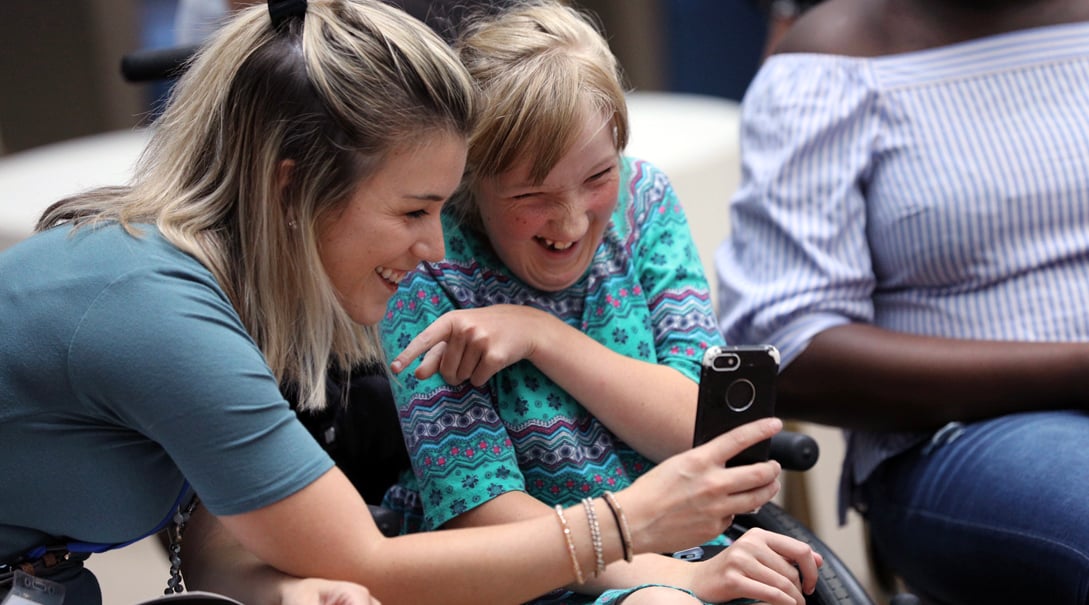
645	296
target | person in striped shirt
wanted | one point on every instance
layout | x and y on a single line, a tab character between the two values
912	232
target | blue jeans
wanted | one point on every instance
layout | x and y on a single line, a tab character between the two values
999	514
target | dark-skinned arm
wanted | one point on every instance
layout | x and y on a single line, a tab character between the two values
863	377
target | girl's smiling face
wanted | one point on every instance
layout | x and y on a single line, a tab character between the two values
546	233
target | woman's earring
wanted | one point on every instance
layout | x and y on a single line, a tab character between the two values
291	224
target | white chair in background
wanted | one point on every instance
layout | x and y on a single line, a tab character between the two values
31	180
694	140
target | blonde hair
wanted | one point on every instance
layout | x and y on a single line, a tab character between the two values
332	91
542	68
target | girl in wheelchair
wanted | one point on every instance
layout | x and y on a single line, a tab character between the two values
562	333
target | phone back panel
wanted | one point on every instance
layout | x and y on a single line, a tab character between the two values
737	386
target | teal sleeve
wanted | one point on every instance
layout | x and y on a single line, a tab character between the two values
461	453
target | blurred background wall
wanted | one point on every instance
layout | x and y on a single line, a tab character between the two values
58	69
59	74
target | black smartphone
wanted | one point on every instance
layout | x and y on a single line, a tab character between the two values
737	385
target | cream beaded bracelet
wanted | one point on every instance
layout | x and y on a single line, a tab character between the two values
595	536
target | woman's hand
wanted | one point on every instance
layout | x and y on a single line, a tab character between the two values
316	591
474	344
762	565
692	497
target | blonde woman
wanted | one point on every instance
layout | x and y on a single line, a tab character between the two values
293	180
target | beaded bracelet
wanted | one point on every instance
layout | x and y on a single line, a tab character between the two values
622	524
570	545
595	536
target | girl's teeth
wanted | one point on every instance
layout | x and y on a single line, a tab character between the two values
558	245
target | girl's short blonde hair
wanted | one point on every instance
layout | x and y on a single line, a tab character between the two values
543	68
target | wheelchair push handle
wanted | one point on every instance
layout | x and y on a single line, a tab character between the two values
794	451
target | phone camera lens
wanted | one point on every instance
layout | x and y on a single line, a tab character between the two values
727	362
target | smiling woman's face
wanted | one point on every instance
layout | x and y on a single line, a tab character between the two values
390	224
546	233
